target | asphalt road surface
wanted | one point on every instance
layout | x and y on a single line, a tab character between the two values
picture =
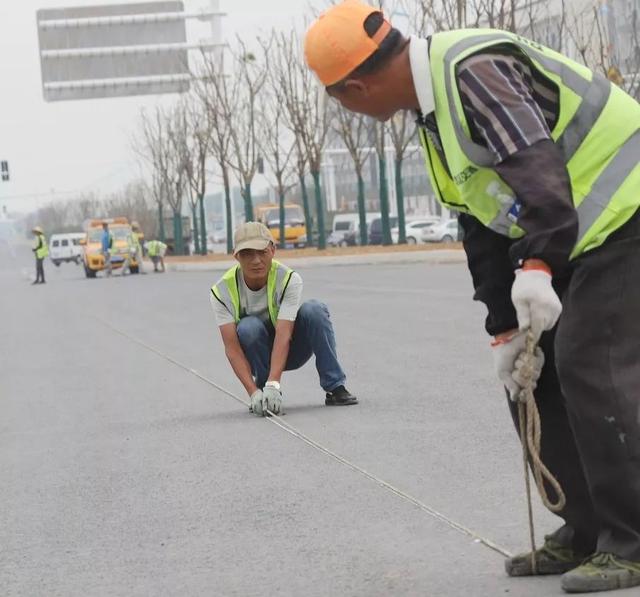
129	466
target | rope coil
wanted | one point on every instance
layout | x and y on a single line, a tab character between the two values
530	438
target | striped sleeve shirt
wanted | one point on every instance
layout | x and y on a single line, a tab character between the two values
511	106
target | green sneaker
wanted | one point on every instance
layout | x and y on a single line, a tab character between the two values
602	572
551	558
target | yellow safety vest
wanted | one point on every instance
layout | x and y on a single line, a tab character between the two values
226	290
598	132
43	249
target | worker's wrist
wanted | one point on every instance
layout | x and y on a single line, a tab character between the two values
504	337
536	265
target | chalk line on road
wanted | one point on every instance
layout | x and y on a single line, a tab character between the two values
279	422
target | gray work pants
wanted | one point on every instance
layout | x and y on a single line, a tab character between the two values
589	398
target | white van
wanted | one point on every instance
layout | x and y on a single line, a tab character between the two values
66	248
346	229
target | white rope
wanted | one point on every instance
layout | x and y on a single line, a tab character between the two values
530	438
279	422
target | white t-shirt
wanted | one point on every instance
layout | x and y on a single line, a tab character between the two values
254	302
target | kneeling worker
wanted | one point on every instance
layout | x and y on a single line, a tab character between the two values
265	327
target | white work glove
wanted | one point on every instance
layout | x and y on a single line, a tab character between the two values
272	400
509	363
256	403
536	302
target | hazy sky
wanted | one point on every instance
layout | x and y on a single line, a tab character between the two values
58	149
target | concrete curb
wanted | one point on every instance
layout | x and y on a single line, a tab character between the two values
445	256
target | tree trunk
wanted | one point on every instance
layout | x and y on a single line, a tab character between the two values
178	245
402	230
384	200
194	230
228	210
248	203
308	220
362	210
203	227
161	232
281	217
322	242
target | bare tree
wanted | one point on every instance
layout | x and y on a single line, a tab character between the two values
307	114
184	152
284	63
605	38
141	207
277	142
354	131
402	131
383	183
301	171
132	201
196	147
160	144
430	16
145	145
242	109
216	91
582	29
86	206
177	162
54	217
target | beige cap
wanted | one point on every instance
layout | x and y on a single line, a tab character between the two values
37	229
251	235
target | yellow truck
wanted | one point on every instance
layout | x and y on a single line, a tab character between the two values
295	231
93	258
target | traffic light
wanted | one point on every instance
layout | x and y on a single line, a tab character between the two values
4	170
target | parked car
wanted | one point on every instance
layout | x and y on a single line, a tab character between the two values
375	229
413	229
343	226
66	248
218	235
346	229
442	232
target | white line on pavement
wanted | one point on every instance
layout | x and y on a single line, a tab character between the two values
278	421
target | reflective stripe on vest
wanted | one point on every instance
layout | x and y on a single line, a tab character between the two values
600	147
226	290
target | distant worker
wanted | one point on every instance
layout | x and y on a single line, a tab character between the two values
156	250
41	250
107	245
265	327
138	232
134	254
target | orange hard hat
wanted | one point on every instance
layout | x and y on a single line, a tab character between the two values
337	43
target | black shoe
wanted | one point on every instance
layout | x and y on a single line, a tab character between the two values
340	397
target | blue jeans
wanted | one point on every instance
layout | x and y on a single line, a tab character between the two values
312	334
